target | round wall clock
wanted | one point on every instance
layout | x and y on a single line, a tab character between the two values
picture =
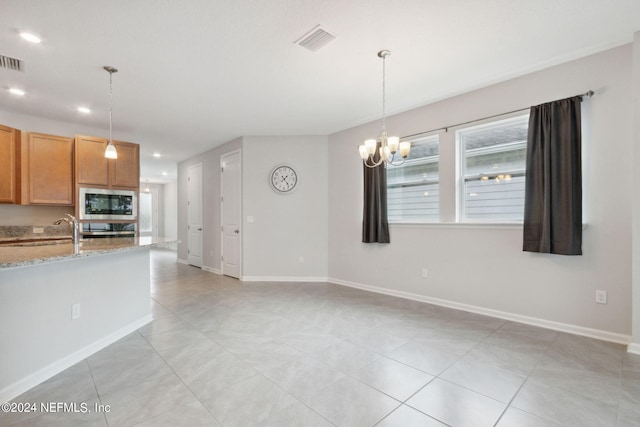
283	179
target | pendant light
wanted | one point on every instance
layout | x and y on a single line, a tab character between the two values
389	145
110	152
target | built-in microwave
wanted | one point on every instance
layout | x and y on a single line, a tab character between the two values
105	204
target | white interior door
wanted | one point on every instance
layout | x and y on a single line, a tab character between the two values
230	178
194	214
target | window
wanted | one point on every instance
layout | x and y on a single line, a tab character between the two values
492	171
413	188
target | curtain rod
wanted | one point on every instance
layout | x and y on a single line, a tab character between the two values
588	94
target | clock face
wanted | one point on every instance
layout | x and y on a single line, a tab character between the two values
283	179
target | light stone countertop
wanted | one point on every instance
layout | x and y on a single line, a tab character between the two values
25	254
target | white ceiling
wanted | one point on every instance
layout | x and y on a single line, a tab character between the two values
194	74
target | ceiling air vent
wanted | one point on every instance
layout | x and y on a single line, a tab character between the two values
11	63
316	38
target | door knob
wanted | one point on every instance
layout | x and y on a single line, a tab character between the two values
236	231
200	229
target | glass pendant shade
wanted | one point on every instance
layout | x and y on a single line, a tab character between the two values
111	152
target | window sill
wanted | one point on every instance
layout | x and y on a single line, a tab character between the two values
478	225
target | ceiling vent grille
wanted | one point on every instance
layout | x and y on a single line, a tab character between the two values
316	38
11	63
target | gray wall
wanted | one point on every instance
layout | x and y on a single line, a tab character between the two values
289	226
635	347
483	268
286	227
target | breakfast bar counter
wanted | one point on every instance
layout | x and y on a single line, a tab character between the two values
16	253
58	307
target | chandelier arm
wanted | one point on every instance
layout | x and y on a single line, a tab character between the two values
396	164
372	164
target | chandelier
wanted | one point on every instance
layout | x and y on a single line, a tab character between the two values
389	145
110	152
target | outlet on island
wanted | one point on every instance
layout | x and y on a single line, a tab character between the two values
75	311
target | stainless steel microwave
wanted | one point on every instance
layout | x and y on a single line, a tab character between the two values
104	204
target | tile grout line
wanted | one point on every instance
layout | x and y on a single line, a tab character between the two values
95	387
240	358
181	380
524	382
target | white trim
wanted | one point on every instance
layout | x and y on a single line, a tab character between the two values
183	261
41	375
283	279
501	225
633	348
543	323
212	270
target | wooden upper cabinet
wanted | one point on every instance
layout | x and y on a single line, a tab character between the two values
47	175
9	164
124	171
92	168
91	165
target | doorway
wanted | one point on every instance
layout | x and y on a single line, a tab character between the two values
194	215
230	213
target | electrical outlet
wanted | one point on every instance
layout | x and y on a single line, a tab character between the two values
38	230
423	272
601	297
301	260
75	311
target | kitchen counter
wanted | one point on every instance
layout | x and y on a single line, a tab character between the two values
21	254
58	307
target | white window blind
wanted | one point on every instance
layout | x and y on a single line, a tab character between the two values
413	189
492	172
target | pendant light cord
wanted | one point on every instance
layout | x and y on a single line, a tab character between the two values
111	107
384	124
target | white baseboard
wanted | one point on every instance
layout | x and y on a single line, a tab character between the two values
212	270
16	389
534	321
182	261
283	279
633	348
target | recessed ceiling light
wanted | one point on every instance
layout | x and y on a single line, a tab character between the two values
156	155
84	110
164	173
32	38
16	91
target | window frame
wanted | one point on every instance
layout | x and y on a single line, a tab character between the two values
430	139
460	160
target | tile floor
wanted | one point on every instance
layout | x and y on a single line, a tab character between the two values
220	352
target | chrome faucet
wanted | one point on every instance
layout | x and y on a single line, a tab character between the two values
75	226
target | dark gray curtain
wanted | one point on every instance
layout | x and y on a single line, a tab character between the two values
553	188
375	228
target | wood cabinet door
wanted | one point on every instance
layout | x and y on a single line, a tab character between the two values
91	165
50	169
125	170
8	164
